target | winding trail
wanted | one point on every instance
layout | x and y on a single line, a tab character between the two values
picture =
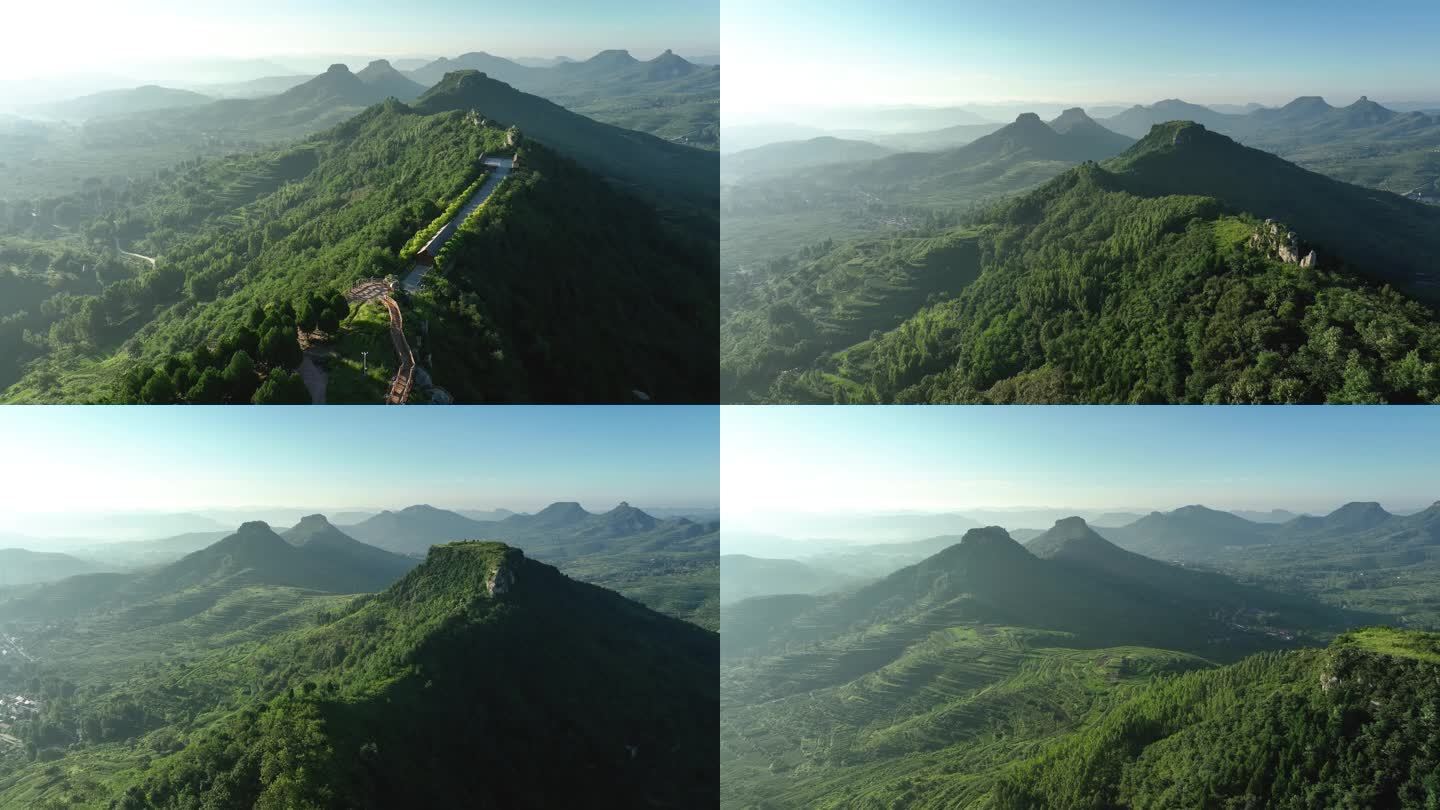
132	255
377	290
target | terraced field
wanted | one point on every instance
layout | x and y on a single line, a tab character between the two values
957	705
99	648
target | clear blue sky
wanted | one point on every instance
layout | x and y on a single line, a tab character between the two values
102	35
883	459
938	51
102	459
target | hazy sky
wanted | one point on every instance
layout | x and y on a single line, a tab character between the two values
104	459
108	36
929	458
866	52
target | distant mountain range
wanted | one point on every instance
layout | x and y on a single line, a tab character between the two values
313	556
666	96
638	160
122	102
1069	579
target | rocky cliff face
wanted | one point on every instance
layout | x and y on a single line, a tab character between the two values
500	581
1282	244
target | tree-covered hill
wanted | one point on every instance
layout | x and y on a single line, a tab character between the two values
469	681
314	557
666	96
1115	282
671	565
989	578
926	688
590	294
900	195
643	162
1350	726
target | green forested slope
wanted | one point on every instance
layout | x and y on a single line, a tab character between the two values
1116	283
936	686
1351	726
248	247
468	681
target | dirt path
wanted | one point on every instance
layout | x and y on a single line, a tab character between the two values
132	255
313	376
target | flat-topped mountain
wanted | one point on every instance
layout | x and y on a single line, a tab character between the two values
1076	124
1356	516
383	78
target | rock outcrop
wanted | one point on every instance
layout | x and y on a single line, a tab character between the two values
1282	244
500	581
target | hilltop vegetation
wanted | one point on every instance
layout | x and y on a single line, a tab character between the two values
252	246
376	701
1112	283
769	215
927	687
668	565
1351	726
666	96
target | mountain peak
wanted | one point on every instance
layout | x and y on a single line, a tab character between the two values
337	68
1070	538
1307	104
560	513
1028	118
612	57
253	527
1071	524
379	63
989	540
316	520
